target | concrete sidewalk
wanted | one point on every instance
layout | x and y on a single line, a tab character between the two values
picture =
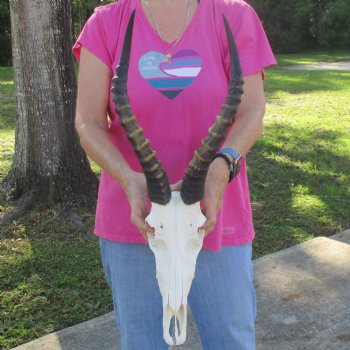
303	296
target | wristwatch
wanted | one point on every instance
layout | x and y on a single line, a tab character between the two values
236	158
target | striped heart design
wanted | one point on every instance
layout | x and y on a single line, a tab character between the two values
170	79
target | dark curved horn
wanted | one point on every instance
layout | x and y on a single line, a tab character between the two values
193	183
157	180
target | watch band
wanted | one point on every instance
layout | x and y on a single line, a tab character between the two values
233	153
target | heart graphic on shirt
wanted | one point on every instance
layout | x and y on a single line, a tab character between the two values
172	78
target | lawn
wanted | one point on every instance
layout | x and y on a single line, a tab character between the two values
299	169
50	275
314	56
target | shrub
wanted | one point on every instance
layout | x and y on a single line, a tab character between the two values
333	27
5	33
293	26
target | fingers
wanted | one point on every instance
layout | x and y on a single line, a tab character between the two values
142	225
210	214
138	215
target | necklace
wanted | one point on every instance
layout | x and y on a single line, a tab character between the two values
168	55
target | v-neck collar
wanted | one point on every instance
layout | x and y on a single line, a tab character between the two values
172	44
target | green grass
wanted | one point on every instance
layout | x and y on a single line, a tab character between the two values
49	280
50	275
299	169
313	57
6	119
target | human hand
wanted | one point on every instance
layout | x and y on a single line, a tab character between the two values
136	192
215	185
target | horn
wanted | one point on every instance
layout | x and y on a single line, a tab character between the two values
193	182
157	181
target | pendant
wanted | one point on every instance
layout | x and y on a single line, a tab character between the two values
167	57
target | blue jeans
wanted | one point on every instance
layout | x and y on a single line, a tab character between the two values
222	297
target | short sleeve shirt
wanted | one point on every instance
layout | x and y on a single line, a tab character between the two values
175	102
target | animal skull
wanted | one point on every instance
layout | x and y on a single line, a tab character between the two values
176	245
176	216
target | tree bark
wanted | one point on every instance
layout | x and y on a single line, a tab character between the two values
49	164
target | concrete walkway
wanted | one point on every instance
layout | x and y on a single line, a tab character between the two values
303	296
343	65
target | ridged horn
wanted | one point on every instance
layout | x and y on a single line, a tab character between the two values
193	183
157	181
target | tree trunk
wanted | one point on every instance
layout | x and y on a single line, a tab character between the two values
49	163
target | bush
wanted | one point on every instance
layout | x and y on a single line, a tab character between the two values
293	26
333	28
82	10
5	34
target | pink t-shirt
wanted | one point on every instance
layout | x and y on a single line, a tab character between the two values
175	103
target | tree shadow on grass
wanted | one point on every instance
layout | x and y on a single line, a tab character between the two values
6	74
7	99
302	81
301	189
49	281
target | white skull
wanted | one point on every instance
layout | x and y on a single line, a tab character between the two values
176	245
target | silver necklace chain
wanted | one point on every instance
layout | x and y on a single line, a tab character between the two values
168	55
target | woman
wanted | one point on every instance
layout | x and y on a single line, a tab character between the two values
178	79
